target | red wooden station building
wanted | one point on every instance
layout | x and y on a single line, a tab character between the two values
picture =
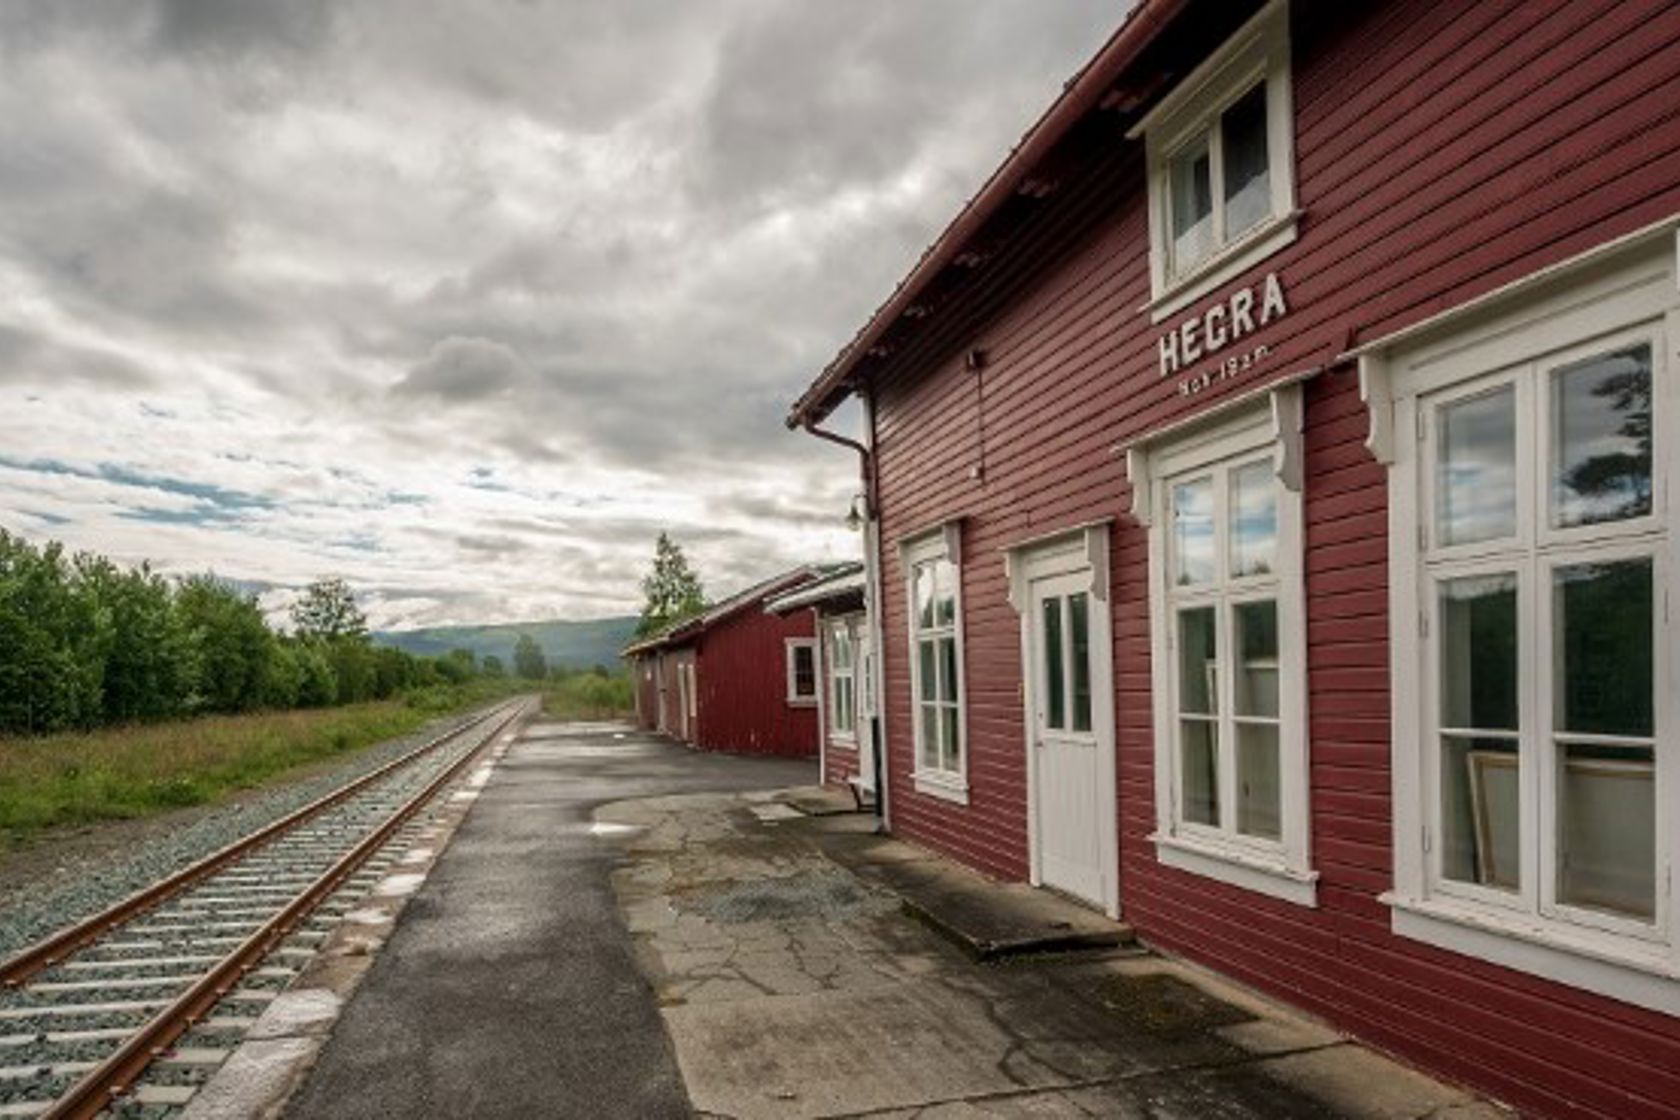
1271	476
736	678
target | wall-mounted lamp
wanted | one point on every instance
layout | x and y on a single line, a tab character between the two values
858	514
975	360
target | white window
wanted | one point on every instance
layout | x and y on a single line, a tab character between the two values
801	671
1533	544
1222	165
842	678
936	665
1227	622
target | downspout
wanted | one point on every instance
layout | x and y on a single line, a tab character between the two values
871	587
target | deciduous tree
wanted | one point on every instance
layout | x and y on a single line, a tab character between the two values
671	591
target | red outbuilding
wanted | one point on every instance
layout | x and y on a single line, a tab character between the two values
1272	521
736	678
846	736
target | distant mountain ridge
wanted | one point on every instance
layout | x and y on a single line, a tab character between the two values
575	645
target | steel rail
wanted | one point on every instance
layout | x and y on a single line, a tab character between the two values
53	948
113	1077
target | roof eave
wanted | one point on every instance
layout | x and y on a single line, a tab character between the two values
1082	94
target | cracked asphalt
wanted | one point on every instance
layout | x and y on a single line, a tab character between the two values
624	928
508	988
792	988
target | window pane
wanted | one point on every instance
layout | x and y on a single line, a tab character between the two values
953	738
1258	806
1476	488
1199	739
946	601
1193	531
1601	439
804	671
1191	203
1253	520
927	674
948	670
842	702
1603	645
1080	625
1478	644
1607	832
1481	821
1198	687
1055	681
930	737
1256	642
1248	186
924	596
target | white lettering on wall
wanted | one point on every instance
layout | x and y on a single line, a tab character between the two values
1221	325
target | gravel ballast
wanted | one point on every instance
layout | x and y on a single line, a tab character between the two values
85	886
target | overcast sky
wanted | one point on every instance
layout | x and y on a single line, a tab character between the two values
465	302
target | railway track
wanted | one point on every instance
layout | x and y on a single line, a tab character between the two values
128	1011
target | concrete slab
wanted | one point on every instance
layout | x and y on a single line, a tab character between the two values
254	1083
786	994
988	919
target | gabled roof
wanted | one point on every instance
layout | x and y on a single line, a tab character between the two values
689	629
1029	174
844	583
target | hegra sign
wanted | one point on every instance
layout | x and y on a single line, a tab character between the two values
1223	324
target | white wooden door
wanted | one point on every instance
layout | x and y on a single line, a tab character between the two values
1062	720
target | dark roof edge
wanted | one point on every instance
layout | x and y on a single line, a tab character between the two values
723	610
1082	93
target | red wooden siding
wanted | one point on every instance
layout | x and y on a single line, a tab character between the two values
1442	149
741	674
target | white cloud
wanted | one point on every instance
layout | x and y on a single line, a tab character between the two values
467	305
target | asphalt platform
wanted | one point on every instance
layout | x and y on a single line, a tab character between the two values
509	988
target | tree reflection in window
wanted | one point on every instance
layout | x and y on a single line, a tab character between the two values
1601	428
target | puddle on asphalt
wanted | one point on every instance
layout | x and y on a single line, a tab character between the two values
612	828
1166	1006
808	894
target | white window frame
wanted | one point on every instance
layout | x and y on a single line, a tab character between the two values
1259	51
848	625
944	543
796	698
1608	296
1280	868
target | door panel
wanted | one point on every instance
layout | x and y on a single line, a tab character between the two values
1064	748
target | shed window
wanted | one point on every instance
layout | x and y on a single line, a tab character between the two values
801	671
842	678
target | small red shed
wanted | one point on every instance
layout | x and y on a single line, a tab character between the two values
845	653
1273	518
736	678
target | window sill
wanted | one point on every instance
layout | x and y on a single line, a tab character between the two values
1645	976
938	783
1230	262
801	701
1253	872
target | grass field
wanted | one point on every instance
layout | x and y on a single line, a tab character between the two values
590	696
135	771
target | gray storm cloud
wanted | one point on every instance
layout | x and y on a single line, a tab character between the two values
350	256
